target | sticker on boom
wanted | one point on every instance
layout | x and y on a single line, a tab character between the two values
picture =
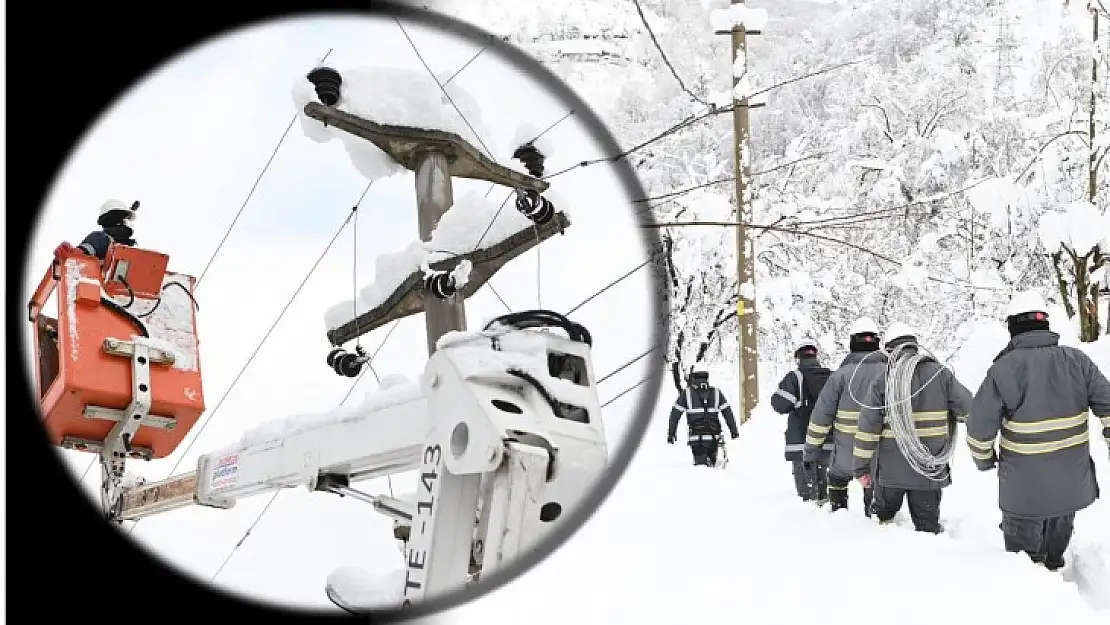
226	472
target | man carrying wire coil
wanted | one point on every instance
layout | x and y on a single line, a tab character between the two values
907	431
1036	394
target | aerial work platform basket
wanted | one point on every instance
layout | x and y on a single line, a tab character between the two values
119	360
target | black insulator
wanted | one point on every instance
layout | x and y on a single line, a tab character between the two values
532	159
535	207
345	363
327	82
441	285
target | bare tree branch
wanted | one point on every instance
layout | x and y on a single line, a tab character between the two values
820	237
724	180
1043	147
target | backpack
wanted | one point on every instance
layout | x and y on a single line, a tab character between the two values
811	381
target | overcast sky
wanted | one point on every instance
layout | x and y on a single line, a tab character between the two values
188	143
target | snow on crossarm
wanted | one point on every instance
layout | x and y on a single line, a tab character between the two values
458	232
389	96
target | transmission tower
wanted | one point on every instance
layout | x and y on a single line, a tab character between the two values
1005	45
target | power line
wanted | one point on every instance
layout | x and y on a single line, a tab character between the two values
472	59
441	87
698	117
607	287
625	392
667	61
274	325
250	193
262	513
243	539
627	364
261	343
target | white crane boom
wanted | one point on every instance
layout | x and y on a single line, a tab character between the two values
504	432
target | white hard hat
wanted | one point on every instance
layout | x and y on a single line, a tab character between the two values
113	205
1026	302
898	330
700	368
863	325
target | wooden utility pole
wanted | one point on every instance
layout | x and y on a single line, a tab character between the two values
745	254
434	195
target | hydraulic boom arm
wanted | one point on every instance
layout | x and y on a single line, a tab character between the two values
504	433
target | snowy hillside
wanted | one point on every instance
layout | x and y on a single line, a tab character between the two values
740	543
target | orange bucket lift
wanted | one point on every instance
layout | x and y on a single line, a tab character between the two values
117	369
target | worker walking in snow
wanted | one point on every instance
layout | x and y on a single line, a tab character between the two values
703	406
1037	394
838	407
907	432
796	395
115	221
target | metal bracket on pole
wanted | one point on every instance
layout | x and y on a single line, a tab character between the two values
117	445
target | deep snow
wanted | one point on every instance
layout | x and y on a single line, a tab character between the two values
676	542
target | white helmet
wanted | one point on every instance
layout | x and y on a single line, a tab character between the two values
1026	302
700	368
898	330
113	205
863	325
806	343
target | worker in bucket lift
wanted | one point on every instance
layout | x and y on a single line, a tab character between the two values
907	432
115	221
837	410
703	406
1037	394
795	397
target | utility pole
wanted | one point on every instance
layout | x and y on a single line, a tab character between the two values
747	321
436	157
434	195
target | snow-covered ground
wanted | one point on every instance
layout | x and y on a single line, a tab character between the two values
676	543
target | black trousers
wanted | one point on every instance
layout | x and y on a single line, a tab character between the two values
705	452
924	506
838	494
813	484
1044	540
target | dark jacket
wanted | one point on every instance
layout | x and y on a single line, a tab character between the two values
1036	395
838	407
97	244
703	406
788	399
938	404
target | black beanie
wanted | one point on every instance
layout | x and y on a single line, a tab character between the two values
1029	322
863	342
805	351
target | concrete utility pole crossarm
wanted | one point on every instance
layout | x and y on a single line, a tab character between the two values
745	254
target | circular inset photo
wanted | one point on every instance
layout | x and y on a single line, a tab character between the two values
346	313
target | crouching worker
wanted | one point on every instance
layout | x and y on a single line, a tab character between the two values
907	432
1037	394
795	397
703	406
837	410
